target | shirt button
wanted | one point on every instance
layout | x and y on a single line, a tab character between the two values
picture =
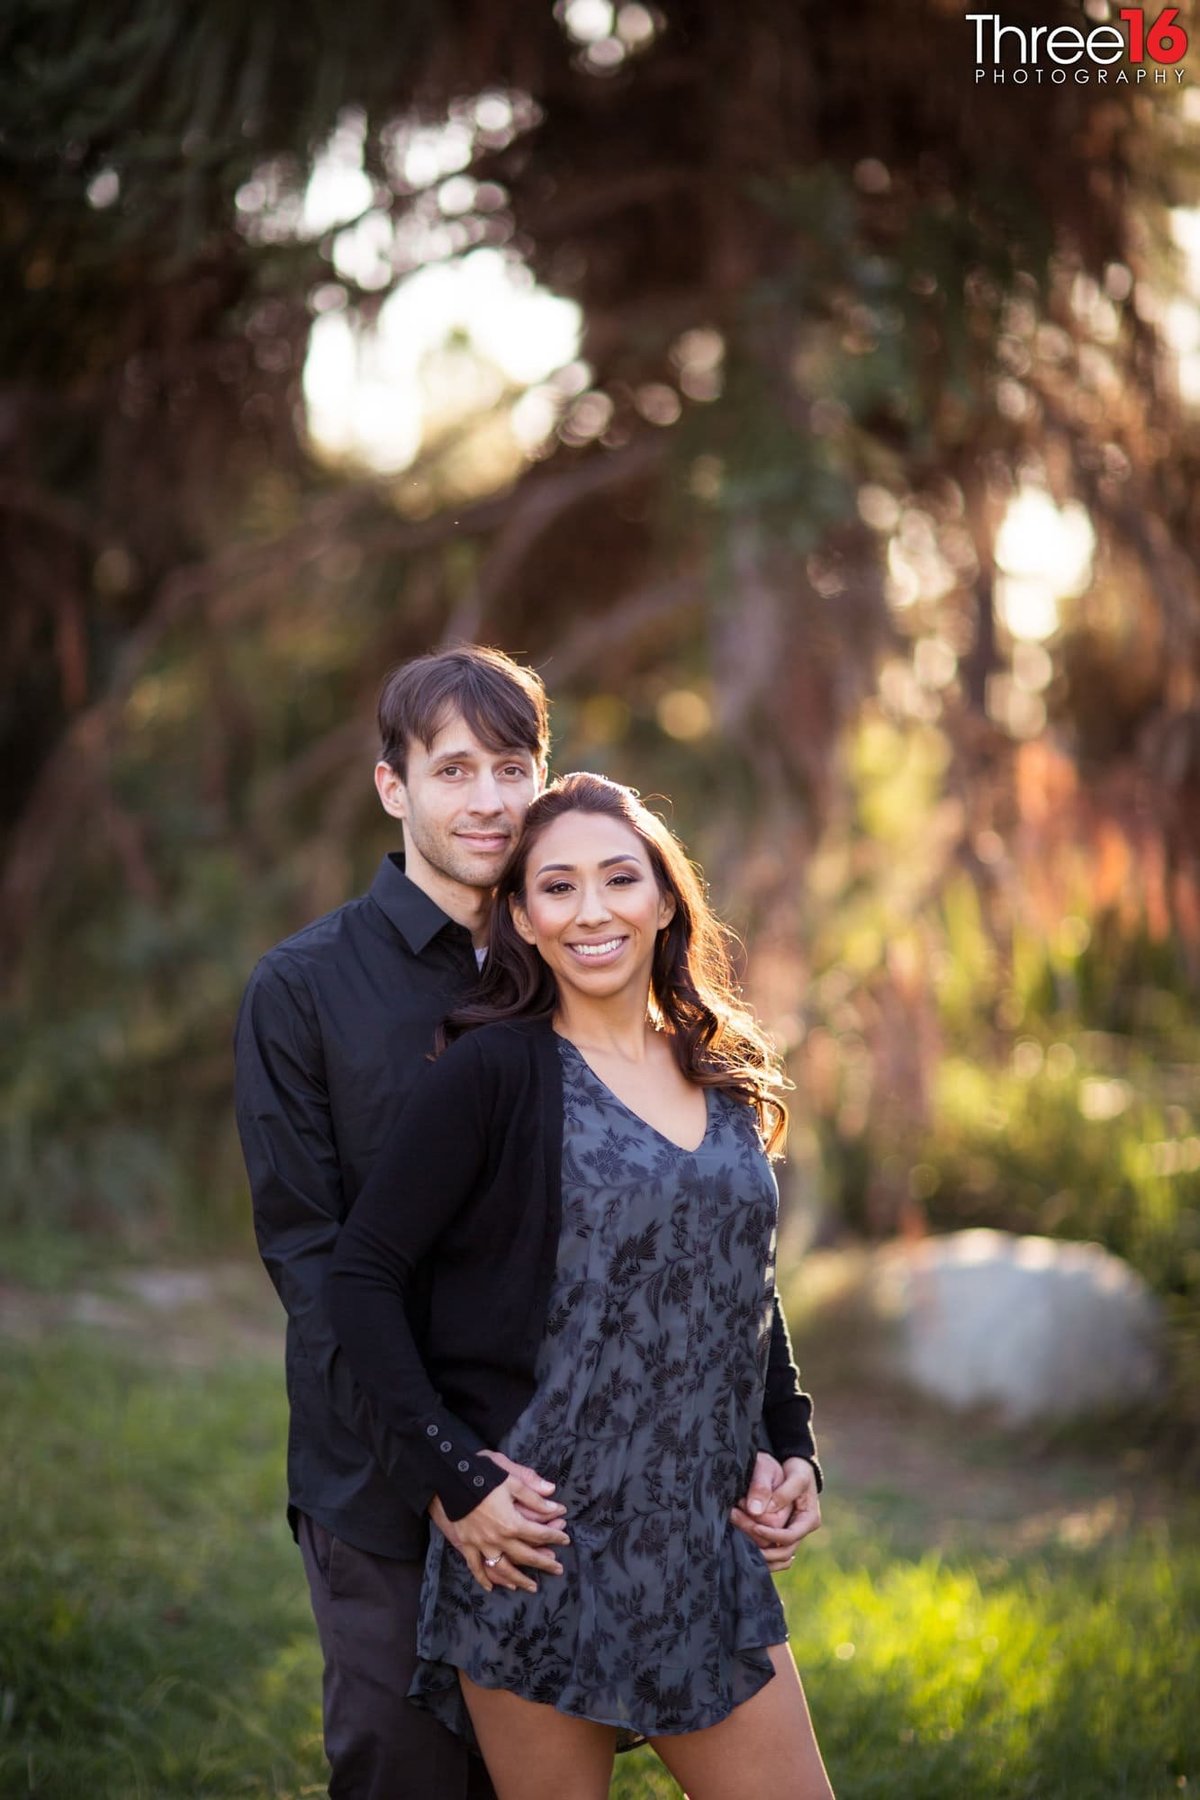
446	1446
431	1431
463	1467
479	1481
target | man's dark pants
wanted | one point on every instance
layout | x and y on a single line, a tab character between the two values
380	1746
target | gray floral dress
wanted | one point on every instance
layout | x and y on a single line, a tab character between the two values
649	1389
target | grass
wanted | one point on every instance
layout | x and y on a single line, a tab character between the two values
154	1633
155	1637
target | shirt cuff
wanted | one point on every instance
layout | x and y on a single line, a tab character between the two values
453	1467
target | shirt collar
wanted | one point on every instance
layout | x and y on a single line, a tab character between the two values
409	908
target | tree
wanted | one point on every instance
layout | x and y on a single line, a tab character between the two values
842	302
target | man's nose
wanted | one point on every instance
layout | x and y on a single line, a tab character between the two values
485	795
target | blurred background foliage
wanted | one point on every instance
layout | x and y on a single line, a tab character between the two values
852	504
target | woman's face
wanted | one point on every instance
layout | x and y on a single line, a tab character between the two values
592	906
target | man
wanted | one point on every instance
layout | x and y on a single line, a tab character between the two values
336	1025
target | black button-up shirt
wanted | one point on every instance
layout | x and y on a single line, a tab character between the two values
336	1024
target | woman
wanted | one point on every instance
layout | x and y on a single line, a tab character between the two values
580	1280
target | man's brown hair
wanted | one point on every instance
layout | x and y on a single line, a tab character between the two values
503	702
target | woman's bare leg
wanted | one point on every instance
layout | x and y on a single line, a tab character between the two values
765	1746
533	1752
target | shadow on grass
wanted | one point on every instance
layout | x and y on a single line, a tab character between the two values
154	1632
155	1639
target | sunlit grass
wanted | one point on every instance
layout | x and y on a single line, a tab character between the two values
155	1637
1061	1674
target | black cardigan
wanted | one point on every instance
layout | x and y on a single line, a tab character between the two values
440	1302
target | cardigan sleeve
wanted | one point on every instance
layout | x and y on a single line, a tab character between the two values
787	1410
429	1168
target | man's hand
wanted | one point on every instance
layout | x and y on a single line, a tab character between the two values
516	1522
780	1507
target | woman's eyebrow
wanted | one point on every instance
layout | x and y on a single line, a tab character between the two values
570	868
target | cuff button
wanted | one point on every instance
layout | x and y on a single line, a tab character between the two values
463	1467
446	1446
479	1481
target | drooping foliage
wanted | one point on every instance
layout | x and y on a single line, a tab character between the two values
842	305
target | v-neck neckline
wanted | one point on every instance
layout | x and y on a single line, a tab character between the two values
682	1149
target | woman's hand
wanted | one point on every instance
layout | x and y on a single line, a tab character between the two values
516	1522
781	1506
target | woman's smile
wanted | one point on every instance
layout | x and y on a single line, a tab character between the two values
598	952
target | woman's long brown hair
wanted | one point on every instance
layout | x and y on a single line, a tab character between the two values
716	1039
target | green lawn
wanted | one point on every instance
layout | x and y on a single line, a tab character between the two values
155	1637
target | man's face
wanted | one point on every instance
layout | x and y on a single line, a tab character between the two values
461	804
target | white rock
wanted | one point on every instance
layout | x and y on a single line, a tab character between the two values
1033	1327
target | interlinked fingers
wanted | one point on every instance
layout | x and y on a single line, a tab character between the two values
474	1561
754	1528
506	1574
531	1501
539	1516
789	1535
779	1557
530	1556
523	1530
765	1478
506	1565
778	1540
527	1487
497	1570
806	1517
529	1540
799	1485
500	1542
